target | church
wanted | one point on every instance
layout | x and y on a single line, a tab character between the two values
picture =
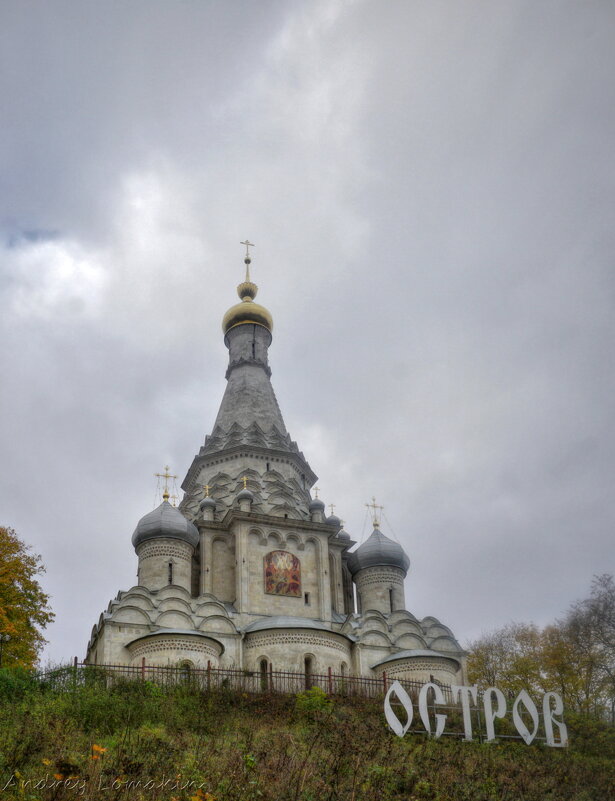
249	572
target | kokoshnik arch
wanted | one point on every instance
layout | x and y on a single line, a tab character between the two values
248	572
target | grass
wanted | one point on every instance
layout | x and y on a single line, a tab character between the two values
137	741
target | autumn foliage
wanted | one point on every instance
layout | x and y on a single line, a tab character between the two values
24	607
574	656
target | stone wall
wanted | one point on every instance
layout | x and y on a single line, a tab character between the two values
172	649
381	588
422	669
286	649
259	602
156	555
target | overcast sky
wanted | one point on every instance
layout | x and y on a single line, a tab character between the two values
430	187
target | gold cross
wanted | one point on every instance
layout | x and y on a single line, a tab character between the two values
174	498
332	507
244	478
166	475
248	245
316	491
206	487
373	505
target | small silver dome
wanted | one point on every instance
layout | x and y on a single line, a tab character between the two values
316	505
343	535
207	503
378	550
165	521
333	520
245	495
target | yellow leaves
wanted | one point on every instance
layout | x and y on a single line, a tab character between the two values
58	776
202	796
97	751
24	607
45	761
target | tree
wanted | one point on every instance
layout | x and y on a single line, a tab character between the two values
574	656
595	618
507	658
24	607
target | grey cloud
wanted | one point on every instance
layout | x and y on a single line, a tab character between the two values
430	189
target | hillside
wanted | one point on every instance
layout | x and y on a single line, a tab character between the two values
137	741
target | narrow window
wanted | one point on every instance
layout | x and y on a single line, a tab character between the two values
306	598
391	598
253	349
267	466
263	671
170	572
307	664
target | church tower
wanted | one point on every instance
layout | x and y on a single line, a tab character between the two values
248	572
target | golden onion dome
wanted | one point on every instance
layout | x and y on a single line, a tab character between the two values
247	311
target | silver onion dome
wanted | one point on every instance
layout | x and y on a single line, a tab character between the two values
165	521
378	550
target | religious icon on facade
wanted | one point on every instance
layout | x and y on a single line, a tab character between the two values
282	574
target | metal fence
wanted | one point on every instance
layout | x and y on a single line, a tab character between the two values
79	674
213	678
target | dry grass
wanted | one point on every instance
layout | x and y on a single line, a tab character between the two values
135	741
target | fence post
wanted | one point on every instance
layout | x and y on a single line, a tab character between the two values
208	674
142	668
384	681
330	681
271	677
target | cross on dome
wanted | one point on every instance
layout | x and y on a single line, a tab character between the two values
166	475
374	507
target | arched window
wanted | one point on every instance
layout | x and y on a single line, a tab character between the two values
264	674
170	572
308	668
185	671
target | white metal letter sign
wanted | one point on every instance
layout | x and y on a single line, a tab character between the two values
479	719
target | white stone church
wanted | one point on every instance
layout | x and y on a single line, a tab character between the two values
249	573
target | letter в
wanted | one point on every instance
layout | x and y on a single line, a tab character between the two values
549	720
